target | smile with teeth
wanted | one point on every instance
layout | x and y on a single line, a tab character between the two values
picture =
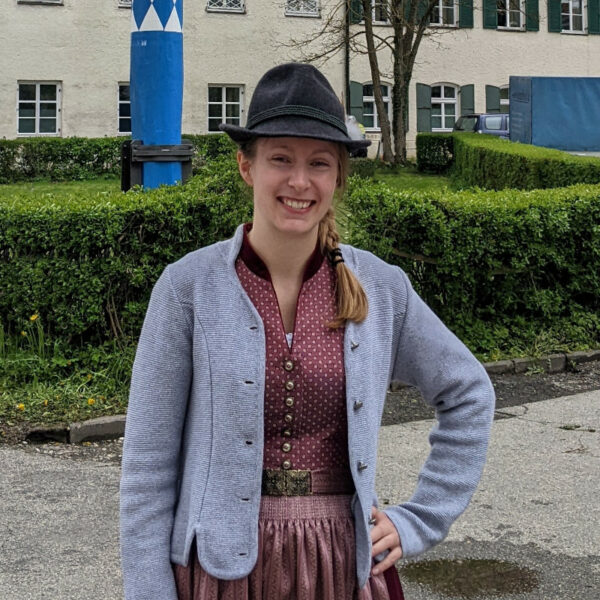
298	204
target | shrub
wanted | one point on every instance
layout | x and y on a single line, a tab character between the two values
500	258
87	263
435	152
62	159
363	167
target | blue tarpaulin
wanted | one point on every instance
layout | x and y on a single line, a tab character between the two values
556	112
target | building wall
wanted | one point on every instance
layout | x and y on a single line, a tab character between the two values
85	45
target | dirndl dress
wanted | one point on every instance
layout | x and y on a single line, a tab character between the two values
306	543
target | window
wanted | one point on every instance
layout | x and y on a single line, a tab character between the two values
444	14
380	11
304	8
369	115
38	108
124	109
39	1
493	123
571	13
443	107
504	99
225	5
511	14
224	105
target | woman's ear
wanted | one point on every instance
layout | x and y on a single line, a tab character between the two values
244	164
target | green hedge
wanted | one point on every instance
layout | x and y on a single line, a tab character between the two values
490	162
507	260
435	152
86	264
62	159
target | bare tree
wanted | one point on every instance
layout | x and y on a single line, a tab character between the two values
353	25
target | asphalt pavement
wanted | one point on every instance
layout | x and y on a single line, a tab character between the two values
532	530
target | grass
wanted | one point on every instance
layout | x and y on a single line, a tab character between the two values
408	178
42	188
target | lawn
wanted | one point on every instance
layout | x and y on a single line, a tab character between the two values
408	178
44	188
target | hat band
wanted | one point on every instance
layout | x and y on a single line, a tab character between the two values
297	110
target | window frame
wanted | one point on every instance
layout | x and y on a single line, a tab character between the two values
376	128
442	100
227	9
584	8
223	103
303	13
506	9
125	3
38	101
119	102
49	2
455	8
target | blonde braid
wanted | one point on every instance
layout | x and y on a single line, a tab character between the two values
351	298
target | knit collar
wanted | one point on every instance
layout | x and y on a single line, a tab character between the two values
255	263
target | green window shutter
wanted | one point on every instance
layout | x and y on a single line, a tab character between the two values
356	11
554	21
492	99
467	99
423	107
422	9
356	100
490	14
465	13
532	15
594	16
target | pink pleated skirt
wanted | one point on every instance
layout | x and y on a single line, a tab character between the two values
306	551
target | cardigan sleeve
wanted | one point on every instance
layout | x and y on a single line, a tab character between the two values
160	386
430	357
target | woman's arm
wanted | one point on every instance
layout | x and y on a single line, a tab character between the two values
453	381
158	397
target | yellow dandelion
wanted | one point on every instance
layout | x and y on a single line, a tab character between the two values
20	406
33	317
45	402
23	333
89	376
91	401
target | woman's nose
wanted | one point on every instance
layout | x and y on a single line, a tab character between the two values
299	178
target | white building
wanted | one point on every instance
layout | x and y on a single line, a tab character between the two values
65	63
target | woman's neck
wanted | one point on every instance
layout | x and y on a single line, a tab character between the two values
284	255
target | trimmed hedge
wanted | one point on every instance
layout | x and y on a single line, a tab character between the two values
435	152
87	264
490	162
62	159
508	260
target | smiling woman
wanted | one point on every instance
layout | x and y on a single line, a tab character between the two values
259	382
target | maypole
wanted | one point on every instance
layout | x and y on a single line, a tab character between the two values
156	88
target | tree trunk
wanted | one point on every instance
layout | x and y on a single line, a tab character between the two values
384	121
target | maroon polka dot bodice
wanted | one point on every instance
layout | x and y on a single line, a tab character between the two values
305	410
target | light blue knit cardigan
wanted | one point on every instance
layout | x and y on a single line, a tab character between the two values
192	456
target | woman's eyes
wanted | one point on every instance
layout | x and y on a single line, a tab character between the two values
315	163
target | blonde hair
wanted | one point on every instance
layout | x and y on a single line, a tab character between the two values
351	298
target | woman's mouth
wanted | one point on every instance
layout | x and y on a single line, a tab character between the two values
296	204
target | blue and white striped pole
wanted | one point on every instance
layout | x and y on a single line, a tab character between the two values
156	82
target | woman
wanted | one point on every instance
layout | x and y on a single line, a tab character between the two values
259	382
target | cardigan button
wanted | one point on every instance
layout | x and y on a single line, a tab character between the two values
286	446
287	433
358	404
288	365
286	464
361	466
289	401
289	385
288	418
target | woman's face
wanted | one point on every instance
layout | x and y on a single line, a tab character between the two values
294	180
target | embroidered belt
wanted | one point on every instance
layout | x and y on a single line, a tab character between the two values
299	482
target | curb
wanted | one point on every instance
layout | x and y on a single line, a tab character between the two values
113	427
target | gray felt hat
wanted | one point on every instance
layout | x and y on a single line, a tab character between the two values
295	100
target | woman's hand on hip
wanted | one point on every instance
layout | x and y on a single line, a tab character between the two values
384	537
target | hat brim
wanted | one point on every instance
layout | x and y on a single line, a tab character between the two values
294	126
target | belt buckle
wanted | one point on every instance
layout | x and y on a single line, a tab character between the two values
294	482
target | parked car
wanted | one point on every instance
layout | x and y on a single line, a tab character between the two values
494	124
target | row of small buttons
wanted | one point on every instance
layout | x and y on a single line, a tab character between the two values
288	365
